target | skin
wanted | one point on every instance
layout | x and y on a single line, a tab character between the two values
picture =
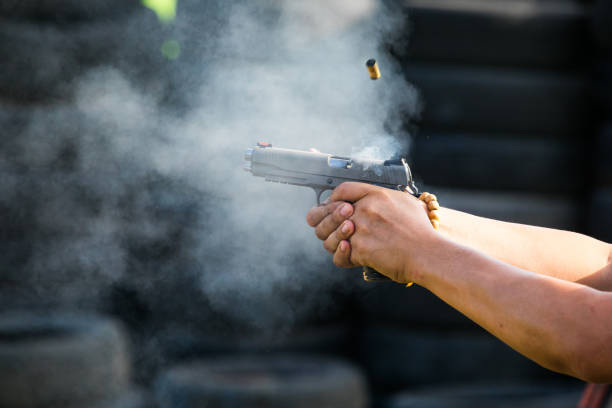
544	292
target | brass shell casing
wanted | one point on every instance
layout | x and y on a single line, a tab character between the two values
373	70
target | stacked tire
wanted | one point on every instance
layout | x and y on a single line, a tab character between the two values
600	221
489	395
63	61
60	59
51	45
67	360
279	381
506	104
89	225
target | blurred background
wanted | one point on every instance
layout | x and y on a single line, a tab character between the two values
141	267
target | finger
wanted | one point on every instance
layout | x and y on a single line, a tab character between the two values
351	192
342	257
330	223
343	232
318	213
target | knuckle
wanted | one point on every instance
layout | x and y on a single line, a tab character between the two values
320	234
336	215
326	245
330	244
338	262
363	229
367	208
340	190
341	260
310	218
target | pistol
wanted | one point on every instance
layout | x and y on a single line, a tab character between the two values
323	172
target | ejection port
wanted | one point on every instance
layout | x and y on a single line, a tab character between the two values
339	162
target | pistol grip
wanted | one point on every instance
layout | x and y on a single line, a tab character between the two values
370	275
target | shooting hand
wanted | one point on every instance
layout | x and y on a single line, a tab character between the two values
390	231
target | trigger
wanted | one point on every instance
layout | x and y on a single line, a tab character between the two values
318	193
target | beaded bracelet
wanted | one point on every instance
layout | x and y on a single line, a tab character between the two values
432	208
432	212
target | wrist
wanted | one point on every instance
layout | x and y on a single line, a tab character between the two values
414	268
419	267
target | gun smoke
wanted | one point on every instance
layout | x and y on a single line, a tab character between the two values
118	189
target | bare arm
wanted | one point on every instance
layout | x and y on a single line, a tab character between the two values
560	254
561	325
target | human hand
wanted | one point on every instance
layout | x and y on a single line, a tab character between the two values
388	230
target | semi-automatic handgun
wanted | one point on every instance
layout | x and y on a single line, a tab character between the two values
323	172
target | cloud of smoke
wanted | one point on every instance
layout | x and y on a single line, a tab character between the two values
153	197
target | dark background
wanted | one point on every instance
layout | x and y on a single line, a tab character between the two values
515	126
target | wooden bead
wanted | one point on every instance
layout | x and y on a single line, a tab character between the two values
433	205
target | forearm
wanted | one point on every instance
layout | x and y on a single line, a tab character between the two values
561	254
551	321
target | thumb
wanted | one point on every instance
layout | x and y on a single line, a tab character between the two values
351	192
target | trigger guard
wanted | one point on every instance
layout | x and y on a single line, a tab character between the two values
319	193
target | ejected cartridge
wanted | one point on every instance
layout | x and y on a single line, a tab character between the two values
373	70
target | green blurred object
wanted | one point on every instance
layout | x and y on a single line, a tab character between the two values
171	49
165	9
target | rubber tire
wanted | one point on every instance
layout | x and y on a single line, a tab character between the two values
180	343
61	360
45	59
602	25
414	308
281	381
65	10
489	395
159	348
528	33
471	100
602	156
550	211
482	162
58	159
41	155
396	359
603	88
600	216
132	399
